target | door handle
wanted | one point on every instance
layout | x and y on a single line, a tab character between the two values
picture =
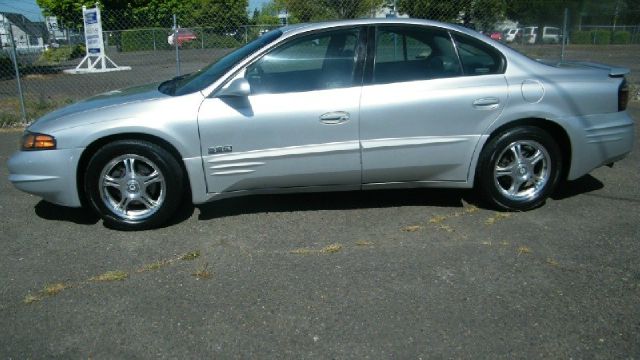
334	117
488	103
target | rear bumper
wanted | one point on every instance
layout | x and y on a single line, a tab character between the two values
599	140
50	174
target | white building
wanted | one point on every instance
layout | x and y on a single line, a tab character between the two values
27	35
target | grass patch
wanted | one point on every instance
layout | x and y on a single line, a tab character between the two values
523	250
49	290
437	219
54	289
471	209
111	276
190	256
553	262
329	249
31	298
203	272
411	228
154	265
302	251
364	243
497	217
11	115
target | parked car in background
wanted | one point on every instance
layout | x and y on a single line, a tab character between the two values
183	35
529	34
338	106
496	35
511	35
550	35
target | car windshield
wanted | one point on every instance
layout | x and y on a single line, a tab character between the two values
190	83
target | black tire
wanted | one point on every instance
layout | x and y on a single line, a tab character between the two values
150	200
498	176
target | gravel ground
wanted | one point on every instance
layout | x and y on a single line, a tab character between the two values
384	274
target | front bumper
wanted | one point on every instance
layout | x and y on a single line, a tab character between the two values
600	140
50	174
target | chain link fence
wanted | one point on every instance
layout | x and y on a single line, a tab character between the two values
36	50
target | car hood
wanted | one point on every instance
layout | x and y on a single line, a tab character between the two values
67	116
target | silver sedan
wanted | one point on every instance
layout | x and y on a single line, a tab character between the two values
349	105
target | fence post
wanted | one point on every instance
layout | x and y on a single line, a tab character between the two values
202	39
565	38
14	57
175	43
153	34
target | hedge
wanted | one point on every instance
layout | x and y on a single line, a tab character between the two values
601	37
621	37
63	53
140	40
581	37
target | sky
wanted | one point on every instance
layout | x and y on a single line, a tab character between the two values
30	9
253	4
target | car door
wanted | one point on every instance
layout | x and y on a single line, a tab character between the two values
423	107
299	125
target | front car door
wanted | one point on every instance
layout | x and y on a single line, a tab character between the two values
425	104
299	126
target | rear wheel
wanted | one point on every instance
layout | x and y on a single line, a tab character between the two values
519	168
133	184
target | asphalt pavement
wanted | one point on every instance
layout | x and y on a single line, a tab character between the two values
401	274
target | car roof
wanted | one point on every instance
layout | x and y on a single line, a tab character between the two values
304	27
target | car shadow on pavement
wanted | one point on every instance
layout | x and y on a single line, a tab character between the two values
335	201
49	211
581	185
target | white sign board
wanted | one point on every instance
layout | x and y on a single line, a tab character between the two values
93	31
95	60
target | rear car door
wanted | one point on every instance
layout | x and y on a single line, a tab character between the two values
425	103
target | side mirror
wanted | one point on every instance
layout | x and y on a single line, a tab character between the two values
237	88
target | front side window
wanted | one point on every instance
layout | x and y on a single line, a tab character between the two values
409	53
190	83
314	62
477	57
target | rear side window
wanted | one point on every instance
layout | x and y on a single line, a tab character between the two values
477	57
409	53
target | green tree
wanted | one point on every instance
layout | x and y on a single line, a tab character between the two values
486	13
448	11
316	10
542	13
221	14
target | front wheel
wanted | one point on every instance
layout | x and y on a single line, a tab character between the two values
133	184
519	168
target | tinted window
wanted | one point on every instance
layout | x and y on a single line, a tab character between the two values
413	53
314	62
477	57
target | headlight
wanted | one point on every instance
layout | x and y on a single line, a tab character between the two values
32	141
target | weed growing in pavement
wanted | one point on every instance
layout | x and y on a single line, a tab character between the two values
411	228
111	276
202	272
364	243
329	249
523	250
190	255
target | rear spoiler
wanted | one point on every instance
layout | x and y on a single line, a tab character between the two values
613	71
